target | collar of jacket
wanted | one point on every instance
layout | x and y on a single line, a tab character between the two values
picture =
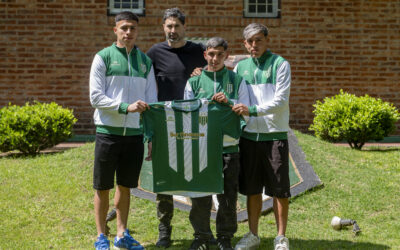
218	73
263	57
123	50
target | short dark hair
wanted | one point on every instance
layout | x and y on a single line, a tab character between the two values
126	15
174	12
214	42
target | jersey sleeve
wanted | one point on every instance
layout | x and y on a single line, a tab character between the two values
230	122
147	124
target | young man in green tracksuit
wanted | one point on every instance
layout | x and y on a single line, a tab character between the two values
122	84
222	85
263	146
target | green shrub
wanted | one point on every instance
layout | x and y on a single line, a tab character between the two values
31	128
346	117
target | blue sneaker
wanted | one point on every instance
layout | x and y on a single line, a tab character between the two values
102	243
127	242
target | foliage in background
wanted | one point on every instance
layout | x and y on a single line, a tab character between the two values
31	128
346	117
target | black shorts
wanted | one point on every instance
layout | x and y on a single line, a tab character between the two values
122	155
264	164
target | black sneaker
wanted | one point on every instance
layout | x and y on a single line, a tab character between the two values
163	242
164	238
199	244
224	243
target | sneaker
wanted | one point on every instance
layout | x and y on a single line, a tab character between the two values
281	243
102	243
164	238
199	244
224	243
163	242
248	242
127	242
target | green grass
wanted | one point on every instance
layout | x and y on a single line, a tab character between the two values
46	202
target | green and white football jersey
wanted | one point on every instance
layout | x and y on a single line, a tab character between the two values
187	141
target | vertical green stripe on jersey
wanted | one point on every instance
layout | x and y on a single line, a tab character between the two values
179	143
195	143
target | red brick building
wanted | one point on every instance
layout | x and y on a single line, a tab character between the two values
47	46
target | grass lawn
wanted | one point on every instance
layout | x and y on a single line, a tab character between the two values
46	202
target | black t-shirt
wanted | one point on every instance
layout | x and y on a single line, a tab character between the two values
173	66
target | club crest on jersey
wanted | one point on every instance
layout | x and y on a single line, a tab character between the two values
267	73
143	68
229	88
246	72
203	118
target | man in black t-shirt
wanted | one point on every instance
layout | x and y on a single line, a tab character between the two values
173	61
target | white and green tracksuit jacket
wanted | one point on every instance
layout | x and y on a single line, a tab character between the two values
268	82
209	83
118	79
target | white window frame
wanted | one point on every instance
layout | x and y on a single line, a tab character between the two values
138	11
276	11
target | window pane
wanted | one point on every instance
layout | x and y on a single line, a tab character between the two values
252	1
261	8
261	1
252	8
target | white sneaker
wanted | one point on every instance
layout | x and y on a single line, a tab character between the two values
248	242
281	243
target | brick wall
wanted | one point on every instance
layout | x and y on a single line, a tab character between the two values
46	47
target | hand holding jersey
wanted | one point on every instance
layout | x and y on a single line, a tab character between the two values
138	106
241	109
220	97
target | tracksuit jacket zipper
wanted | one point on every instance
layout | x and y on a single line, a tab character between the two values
129	85
255	81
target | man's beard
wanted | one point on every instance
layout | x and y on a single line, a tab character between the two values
175	39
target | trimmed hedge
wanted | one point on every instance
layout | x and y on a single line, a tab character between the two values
31	128
346	117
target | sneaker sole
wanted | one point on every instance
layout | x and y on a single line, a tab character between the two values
121	248
247	248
